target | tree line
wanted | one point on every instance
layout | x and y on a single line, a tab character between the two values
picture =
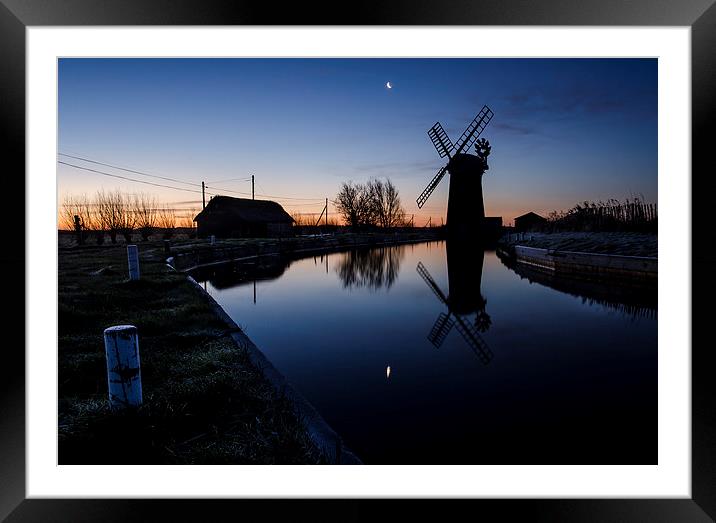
375	203
117	214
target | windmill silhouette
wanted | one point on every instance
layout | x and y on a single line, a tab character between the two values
456	316
466	209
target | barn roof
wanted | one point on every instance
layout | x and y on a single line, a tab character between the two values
530	215
244	209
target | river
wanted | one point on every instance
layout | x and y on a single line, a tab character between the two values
437	354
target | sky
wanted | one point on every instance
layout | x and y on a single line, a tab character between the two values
564	130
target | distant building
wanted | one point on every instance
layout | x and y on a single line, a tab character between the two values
492	227
492	222
227	217
528	221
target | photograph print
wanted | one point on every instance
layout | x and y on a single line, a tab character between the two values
357	261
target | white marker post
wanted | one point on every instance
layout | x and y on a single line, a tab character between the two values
133	260
121	345
213	239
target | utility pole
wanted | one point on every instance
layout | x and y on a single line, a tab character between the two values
203	198
252	186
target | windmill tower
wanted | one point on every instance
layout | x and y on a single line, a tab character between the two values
466	209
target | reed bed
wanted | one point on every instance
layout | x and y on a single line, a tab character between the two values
613	215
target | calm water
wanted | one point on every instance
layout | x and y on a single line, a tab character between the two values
485	365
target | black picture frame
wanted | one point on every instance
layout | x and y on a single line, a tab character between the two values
699	15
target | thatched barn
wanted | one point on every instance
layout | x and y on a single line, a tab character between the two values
227	217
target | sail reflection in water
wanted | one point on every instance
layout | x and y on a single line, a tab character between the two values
356	333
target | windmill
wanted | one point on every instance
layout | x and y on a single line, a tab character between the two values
445	322
466	210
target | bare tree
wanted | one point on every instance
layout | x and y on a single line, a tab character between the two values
300	219
374	203
186	221
73	206
106	214
167	220
67	213
76	215
144	212
347	203
385	201
114	214
93	220
355	205
127	218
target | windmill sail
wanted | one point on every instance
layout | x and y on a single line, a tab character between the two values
425	275
440	140
440	330
473	339
474	130
430	188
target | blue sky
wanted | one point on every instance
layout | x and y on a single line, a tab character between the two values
564	130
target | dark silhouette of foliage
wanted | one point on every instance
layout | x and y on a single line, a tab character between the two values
612	215
376	203
372	268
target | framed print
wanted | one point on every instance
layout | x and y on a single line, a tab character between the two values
255	276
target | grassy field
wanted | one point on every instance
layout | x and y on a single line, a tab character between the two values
204	403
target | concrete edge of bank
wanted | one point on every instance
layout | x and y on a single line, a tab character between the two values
584	264
323	436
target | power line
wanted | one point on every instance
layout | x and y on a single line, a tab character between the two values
267	195
129	170
173	179
289	197
129	179
232	180
228	190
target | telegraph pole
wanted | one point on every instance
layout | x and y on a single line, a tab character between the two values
252	186
203	198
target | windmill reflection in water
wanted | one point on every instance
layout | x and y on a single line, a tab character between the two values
464	299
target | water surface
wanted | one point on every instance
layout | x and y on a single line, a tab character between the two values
430	353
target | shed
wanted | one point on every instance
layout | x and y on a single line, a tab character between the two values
528	221
227	217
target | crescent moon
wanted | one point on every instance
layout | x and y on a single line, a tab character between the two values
388	85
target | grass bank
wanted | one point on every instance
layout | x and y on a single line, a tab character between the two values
204	402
